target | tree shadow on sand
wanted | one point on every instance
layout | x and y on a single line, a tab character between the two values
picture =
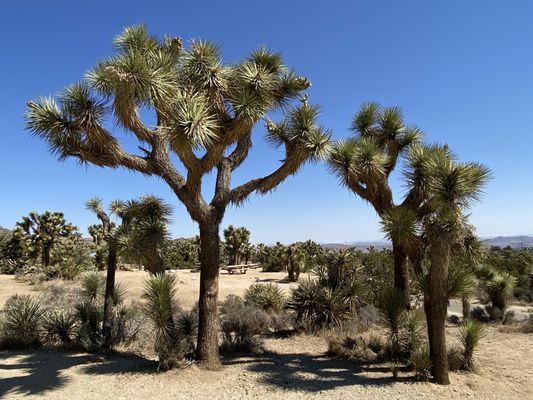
312	373
40	371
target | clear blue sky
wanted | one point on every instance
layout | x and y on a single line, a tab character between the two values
461	70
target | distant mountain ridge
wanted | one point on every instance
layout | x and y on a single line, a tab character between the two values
516	242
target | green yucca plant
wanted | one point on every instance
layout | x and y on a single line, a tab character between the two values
470	334
92	286
60	326
317	306
187	324
499	287
119	294
268	296
392	307
420	362
22	323
159	292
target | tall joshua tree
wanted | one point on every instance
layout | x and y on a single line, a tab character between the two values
236	243
40	233
365	162
107	233
205	112
140	237
446	189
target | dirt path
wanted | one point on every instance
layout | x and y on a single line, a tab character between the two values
289	369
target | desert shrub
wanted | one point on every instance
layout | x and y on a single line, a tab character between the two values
528	326
8	266
22	322
369	315
240	323
480	314
60	326
420	362
364	347
126	325
273	258
268	296
508	317
455	359
161	307
470	333
317	306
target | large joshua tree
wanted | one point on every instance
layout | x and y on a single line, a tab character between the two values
445	189
365	162
205	112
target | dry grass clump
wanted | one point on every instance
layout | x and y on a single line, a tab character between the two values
364	347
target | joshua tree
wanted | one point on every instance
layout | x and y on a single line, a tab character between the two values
447	189
143	235
96	231
365	162
295	262
39	233
205	112
107	233
237	243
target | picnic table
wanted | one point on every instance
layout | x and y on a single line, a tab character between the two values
239	268
233	269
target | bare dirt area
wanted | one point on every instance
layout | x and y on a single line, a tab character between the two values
188	284
294	368
291	368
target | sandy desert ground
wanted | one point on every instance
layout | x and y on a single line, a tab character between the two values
289	369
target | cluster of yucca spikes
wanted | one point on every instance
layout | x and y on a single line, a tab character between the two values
200	103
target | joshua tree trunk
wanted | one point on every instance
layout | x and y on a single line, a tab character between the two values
401	272
465	301
108	297
208	325
438	300
47	248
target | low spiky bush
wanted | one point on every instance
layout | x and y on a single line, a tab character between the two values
412	334
60	326
420	362
92	286
470	333
499	287
392	306
317	306
187	328
161	307
267	296
22	322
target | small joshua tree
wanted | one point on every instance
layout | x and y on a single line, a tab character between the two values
40	233
205	112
